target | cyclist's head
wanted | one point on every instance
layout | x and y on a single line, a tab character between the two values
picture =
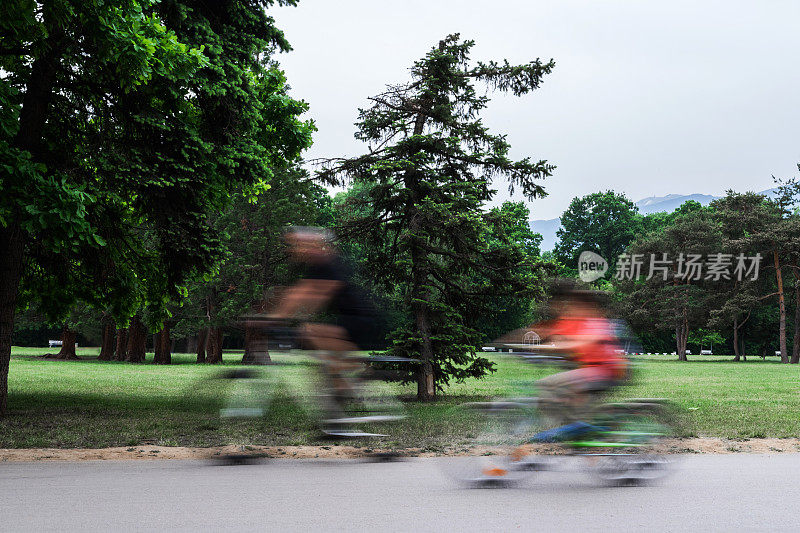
569	299
309	244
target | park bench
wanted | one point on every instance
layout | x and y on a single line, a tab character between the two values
57	344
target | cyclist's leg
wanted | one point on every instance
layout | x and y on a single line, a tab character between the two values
332	344
327	337
567	395
557	394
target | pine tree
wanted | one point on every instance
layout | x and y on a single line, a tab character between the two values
429	173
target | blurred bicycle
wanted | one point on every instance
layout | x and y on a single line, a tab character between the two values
567	406
348	397
619	441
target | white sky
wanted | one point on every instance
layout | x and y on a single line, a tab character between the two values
647	97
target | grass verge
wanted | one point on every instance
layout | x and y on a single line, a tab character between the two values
93	404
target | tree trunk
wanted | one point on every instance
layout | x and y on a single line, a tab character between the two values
121	349
11	247
137	341
781	307
796	339
107	342
426	383
214	344
736	339
32	118
202	341
67	351
256	347
742	347
162	347
682	336
189	344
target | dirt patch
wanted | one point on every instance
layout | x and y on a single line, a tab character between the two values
695	445
715	445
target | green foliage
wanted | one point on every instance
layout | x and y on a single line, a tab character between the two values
507	312
740	312
122	126
151	114
704	338
676	304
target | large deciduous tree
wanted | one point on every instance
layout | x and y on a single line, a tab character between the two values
429	172
121	126
601	222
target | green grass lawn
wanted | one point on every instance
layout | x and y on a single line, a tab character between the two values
89	403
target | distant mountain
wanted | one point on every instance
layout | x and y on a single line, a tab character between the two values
547	228
670	202
653	204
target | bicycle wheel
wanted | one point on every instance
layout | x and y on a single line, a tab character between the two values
634	430
368	408
495	433
631	469
248	394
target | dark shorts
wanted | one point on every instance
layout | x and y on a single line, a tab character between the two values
358	328
584	379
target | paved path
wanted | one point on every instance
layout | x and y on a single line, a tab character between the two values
707	493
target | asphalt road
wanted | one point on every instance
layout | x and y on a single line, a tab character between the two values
707	493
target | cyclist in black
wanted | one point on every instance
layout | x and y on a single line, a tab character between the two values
326	289
328	292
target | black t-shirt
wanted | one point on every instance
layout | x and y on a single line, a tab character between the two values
348	299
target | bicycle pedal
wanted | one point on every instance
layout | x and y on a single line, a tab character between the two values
494	471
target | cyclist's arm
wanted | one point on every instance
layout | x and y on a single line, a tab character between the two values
567	345
306	297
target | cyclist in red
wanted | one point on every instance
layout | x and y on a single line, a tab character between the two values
582	333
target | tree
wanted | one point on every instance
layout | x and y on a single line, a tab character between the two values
787	202
739	216
137	340
773	231
601	222
703	337
107	338
81	320
121	345
675	298
510	312
121	128
162	349
429	172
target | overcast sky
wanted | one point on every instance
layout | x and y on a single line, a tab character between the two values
648	98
